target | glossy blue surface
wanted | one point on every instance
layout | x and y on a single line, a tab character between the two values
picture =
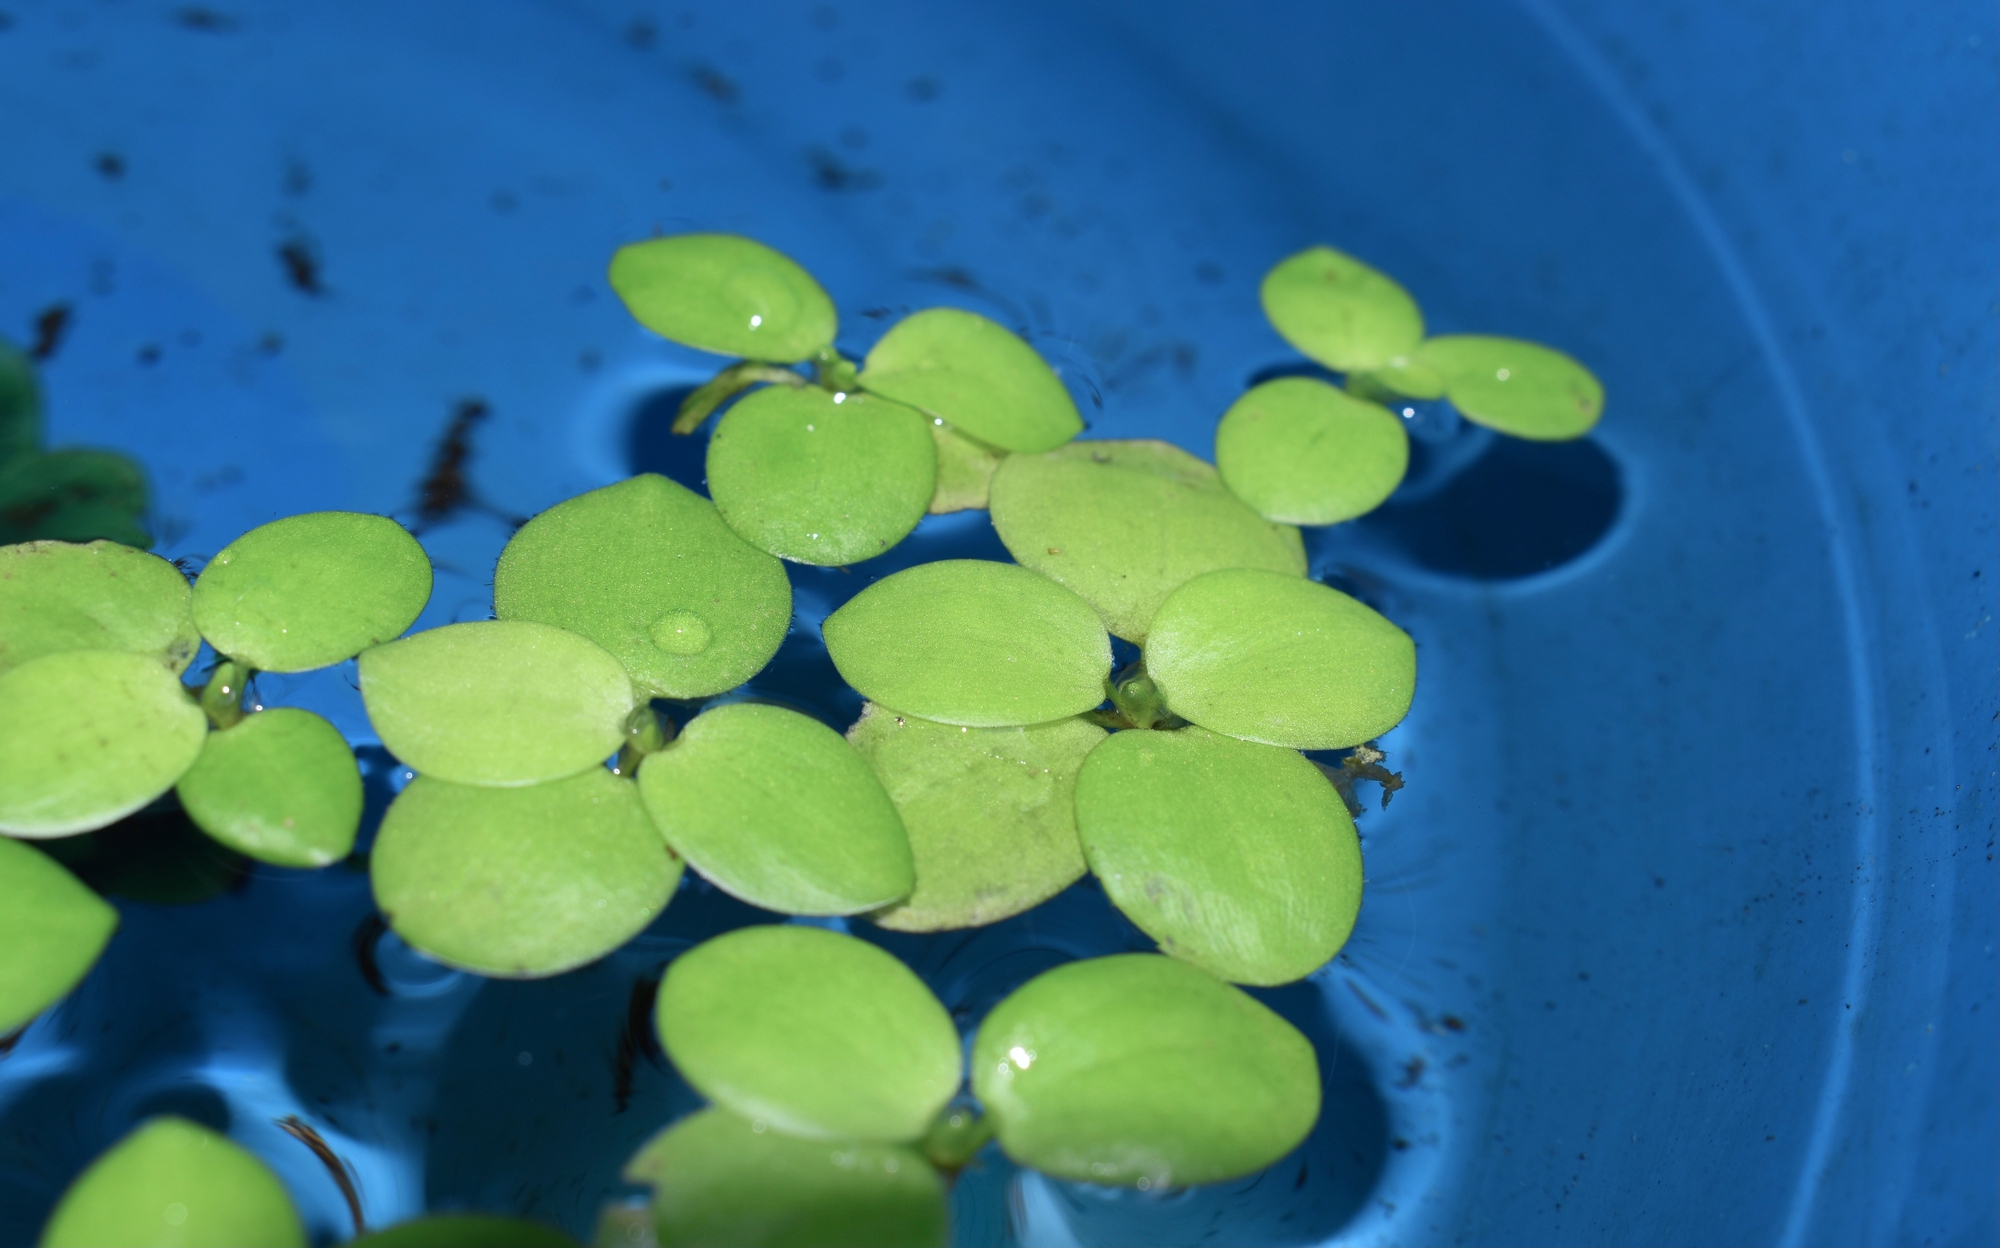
1684	928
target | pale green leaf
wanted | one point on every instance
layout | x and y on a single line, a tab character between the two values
811	1032
775	808
989	812
1124	524
521	882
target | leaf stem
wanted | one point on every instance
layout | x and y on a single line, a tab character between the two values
222	696
835	372
1139	701
958	1133
725	385
646	732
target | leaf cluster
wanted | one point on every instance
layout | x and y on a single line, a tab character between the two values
998	758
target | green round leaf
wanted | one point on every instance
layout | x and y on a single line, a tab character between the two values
1280	659
965	641
775	808
1339	311
989	812
966	370
1303	452
719	1179
173	1184
726	294
281	786
811	1032
1236	857
520	883
465	1230
648	570
308	591
89	736
1141	1069
1124	524
73	495
52	928
965	468
1520	388
819	477
497	702
57	596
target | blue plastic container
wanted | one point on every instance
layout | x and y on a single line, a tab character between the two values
1683	930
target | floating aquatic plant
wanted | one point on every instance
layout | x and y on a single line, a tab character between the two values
997	759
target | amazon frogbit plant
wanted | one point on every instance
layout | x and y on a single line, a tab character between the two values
998	758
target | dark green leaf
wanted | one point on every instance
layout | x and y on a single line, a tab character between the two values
72	495
465	1230
20	403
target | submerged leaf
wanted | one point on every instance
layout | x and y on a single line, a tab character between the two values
1304	452
724	293
465	1230
281	786
1124	524
73	495
819	477
174	1184
1280	659
718	1179
89	736
1520	388
965	468
775	808
57	596
497	702
965	369
1339	311
53	929
647	569
812	1032
1236	857
989	812
312	590
20	403
966	641
1138	1069
522	882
